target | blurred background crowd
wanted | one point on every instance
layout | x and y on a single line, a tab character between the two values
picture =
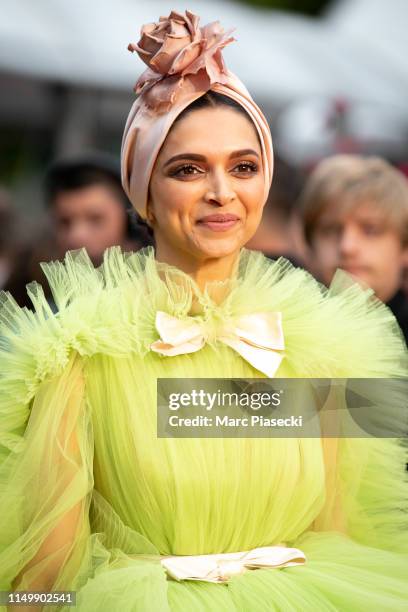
330	75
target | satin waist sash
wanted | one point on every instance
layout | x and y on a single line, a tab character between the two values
221	567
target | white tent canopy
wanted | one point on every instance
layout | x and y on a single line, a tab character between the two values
358	51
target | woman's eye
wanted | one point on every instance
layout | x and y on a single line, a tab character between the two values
186	170
246	167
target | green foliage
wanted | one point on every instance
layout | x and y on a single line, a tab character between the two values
307	7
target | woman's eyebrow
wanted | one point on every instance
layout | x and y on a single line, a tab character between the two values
202	158
242	152
193	156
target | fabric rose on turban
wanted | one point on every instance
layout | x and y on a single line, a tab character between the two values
170	45
175	48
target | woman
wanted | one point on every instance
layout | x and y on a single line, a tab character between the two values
94	501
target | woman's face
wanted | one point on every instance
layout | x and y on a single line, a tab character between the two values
207	187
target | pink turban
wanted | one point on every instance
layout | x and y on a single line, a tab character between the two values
184	62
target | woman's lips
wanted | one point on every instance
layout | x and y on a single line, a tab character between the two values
219	223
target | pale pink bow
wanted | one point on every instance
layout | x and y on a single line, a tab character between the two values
219	568
257	337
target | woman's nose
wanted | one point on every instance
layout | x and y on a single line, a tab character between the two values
220	190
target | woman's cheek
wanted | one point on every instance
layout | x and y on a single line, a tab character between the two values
177	219
252	193
254	210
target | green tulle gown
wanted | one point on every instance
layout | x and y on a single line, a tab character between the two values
90	497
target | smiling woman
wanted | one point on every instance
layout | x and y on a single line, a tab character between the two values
93	500
206	203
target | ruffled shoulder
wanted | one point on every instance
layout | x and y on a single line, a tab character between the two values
92	316
97	310
340	331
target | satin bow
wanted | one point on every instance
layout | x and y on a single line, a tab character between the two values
257	337
219	568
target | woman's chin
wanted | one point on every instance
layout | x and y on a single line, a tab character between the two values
219	247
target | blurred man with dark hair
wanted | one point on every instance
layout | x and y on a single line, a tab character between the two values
89	207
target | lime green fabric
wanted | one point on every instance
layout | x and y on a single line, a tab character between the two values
91	497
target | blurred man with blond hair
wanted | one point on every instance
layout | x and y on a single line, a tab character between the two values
355	217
